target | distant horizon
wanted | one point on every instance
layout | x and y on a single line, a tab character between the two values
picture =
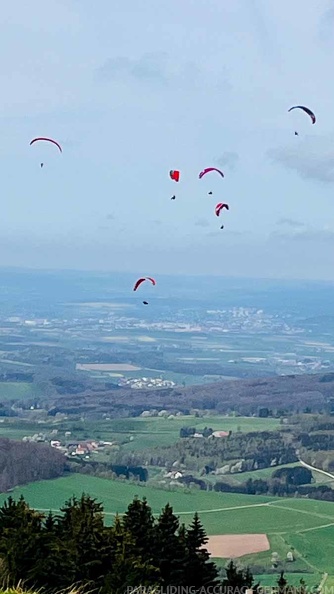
135	274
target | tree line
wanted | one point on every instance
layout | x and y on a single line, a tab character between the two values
24	462
250	451
55	551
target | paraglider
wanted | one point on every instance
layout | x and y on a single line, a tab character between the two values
47	140
307	110
208	169
174	175
142	280
220	207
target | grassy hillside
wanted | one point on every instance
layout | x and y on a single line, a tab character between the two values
17	390
306	525
152	431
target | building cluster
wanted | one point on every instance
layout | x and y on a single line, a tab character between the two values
146	382
70	447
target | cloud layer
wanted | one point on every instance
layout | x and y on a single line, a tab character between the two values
313	158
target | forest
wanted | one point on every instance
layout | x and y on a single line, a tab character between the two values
22	462
239	452
53	552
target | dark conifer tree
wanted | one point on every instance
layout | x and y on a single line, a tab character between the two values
139	521
200	572
237	578
128	569
82	527
20	528
170	550
55	558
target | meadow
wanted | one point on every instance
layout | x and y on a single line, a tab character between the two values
305	525
153	431
17	390
146	432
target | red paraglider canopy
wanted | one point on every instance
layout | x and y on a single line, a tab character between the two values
220	207
142	280
208	169
48	140
175	175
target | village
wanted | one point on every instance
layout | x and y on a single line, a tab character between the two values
71	447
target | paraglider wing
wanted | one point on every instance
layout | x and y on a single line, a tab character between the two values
138	283
175	175
220	207
307	110
208	169
142	280
47	140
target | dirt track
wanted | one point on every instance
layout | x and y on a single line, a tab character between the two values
227	546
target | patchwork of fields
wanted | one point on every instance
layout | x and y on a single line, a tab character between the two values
305	525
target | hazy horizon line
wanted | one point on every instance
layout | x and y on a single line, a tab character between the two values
135	273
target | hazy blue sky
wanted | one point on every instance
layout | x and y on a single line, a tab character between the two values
134	89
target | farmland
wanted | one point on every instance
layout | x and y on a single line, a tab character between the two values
144	431
82	343
306	525
106	367
17	390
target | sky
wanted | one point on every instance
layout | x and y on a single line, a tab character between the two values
132	90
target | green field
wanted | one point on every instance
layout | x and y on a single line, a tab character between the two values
116	495
292	578
306	525
16	429
144	432
153	431
263	473
17	390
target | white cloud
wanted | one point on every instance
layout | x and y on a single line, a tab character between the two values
312	158
151	67
228	159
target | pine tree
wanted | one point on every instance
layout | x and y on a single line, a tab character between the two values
82	527
55	558
170	550
139	521
128	569
20	528
237	578
199	570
